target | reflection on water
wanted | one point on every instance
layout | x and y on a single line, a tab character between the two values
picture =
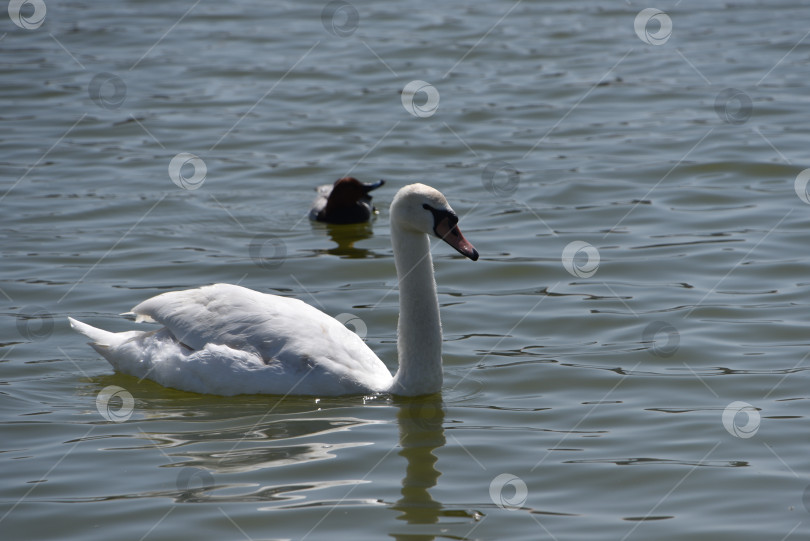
210	463
421	432
258	458
345	236
238	450
277	429
620	144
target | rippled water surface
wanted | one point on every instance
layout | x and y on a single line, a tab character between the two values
627	360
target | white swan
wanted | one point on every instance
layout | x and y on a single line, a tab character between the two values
225	339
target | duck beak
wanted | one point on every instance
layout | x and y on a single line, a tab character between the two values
367	187
451	234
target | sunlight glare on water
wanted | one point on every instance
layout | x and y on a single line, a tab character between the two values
625	361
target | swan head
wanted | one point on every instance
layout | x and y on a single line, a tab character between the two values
421	209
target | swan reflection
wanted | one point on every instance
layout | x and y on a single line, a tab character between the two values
421	432
235	453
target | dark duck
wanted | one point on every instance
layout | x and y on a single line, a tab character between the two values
347	201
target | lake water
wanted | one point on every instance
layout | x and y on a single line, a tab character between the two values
626	360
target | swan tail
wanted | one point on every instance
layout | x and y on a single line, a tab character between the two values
100	337
126	351
108	344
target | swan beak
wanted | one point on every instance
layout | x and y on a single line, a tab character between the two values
451	234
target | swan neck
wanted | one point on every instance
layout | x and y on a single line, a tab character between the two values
419	342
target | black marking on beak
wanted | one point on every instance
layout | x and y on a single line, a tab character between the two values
439	215
445	226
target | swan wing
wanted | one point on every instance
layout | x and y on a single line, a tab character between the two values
287	334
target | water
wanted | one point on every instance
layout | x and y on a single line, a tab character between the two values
646	382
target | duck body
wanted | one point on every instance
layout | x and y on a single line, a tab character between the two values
226	339
347	201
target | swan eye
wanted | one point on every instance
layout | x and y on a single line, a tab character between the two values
441	214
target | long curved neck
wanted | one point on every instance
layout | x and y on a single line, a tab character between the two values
419	342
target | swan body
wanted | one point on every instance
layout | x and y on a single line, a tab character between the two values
347	201
226	339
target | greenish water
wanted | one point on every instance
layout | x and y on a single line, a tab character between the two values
626	360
